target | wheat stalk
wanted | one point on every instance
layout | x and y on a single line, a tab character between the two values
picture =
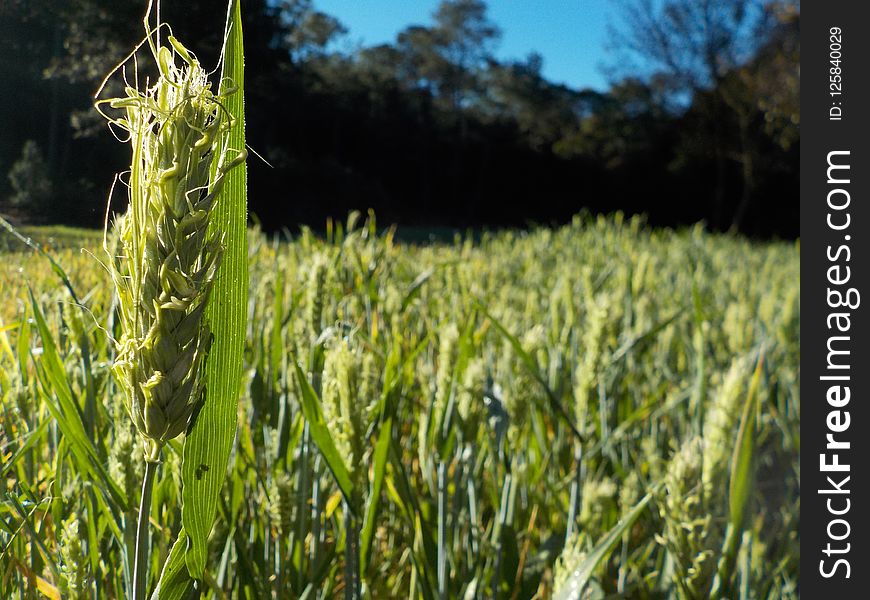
167	257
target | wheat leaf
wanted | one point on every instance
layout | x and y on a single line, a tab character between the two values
321	436
573	588
175	582
207	448
741	484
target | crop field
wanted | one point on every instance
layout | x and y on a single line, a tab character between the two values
600	410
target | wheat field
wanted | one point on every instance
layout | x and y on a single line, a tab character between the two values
599	410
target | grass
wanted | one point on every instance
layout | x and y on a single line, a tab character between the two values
514	416
53	237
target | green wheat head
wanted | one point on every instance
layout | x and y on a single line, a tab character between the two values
167	256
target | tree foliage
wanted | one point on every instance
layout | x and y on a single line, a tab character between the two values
30	179
702	123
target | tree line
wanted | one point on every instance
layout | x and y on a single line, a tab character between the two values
700	120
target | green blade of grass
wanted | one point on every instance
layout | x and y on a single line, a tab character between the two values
29	440
207	448
90	393
321	436
740	487
380	468
59	400
573	589
175	582
416	285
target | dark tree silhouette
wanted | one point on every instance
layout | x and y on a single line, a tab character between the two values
432	129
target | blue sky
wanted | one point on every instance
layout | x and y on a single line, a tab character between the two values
569	34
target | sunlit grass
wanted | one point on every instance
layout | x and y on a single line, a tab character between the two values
477	361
